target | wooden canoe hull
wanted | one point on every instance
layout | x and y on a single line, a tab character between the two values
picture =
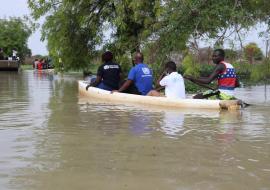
156	101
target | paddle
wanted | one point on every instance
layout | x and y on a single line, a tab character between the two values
201	96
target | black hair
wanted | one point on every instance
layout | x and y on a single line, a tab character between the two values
221	52
171	65
107	56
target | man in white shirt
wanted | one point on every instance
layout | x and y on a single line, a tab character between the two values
172	81
14	54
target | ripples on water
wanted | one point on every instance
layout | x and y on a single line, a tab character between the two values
51	138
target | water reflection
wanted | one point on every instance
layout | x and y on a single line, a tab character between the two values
23	101
172	123
144	121
48	134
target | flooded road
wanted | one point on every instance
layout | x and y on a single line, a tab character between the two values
51	138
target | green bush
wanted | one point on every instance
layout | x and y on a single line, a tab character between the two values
190	67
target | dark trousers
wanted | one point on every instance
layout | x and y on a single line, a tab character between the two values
132	89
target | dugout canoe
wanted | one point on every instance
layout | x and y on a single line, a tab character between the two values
93	92
9	65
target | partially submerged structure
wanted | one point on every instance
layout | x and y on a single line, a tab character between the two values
9	65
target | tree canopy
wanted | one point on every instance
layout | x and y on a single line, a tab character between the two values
253	52
14	33
77	30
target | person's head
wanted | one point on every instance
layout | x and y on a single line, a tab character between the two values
138	58
218	56
107	56
170	66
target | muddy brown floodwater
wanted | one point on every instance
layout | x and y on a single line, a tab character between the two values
51	138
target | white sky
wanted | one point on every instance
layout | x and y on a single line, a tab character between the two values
19	8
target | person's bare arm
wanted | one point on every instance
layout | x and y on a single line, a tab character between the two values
207	80
96	82
158	87
124	86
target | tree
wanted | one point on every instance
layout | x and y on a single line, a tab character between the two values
72	28
75	29
14	33
134	23
253	52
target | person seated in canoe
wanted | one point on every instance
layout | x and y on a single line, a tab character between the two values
225	75
140	78
172	81
108	74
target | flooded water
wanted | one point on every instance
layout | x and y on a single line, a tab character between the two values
51	138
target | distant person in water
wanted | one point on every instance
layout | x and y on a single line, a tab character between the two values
172	81
108	74
224	73
140	78
40	64
35	64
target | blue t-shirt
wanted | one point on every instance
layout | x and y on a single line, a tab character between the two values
142	76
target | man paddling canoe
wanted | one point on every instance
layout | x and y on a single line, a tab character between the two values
224	73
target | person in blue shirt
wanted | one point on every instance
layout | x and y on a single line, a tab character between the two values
140	78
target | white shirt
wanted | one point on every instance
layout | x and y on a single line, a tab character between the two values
174	85
14	53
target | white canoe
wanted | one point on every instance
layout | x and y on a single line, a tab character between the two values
156	101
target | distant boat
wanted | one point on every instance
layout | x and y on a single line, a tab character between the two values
121	98
9	65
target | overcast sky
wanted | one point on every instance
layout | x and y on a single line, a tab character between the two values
19	8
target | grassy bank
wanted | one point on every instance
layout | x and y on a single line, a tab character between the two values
26	67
